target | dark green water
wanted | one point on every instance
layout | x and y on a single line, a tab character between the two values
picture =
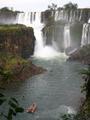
55	92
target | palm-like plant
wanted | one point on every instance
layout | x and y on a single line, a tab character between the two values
52	7
13	107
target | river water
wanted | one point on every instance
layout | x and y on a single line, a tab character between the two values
56	92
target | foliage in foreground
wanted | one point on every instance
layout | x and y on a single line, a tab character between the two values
85	108
9	66
12	107
84	113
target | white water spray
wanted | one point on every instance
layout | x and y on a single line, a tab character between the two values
85	34
89	20
67	36
41	50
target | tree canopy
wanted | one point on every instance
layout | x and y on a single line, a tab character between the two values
70	6
52	7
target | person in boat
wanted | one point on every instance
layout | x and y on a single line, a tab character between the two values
32	108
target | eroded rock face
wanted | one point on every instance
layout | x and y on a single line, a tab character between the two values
17	39
68	29
82	55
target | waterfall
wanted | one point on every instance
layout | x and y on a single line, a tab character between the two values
73	15
38	34
59	15
56	15
42	50
67	36
33	19
80	17
85	34
89	20
27	18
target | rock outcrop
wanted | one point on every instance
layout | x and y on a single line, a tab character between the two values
17	39
82	55
66	29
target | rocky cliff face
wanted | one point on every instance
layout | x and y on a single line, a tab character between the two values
83	52
82	55
17	39
69	29
65	29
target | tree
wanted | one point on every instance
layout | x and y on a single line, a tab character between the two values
52	7
5	9
70	6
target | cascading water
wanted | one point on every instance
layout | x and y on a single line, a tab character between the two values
74	15
58	83
41	50
56	15
80	17
67	36
59	15
89	20
32	19
27	18
85	34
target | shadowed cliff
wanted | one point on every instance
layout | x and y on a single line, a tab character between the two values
17	39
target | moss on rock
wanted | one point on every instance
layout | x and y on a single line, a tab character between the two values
17	39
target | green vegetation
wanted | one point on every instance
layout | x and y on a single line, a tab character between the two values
86	86
9	107
70	6
49	18
7	27
13	29
84	113
15	68
68	117
50	13
10	65
17	39
6	10
52	7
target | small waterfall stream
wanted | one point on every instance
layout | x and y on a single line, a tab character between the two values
67	36
85	34
72	16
